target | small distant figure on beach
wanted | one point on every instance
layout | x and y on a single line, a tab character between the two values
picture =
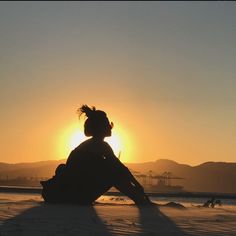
92	168
211	203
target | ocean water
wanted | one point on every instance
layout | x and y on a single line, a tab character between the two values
186	201
193	201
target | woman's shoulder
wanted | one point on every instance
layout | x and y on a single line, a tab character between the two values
84	145
80	151
93	146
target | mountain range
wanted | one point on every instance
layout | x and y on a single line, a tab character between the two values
207	177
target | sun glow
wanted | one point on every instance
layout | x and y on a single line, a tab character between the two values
121	143
76	138
73	135
115	143
68	139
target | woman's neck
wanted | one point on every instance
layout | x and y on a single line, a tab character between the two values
98	138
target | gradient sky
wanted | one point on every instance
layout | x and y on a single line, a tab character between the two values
163	71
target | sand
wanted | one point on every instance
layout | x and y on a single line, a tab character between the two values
22	214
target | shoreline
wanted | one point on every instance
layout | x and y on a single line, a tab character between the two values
37	190
26	214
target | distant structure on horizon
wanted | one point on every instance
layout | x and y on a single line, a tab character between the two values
159	183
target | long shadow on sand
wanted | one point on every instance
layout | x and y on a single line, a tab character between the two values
154	222
56	220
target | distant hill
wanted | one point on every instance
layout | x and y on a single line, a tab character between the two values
207	177
34	169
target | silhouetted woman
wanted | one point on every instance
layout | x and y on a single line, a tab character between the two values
92	168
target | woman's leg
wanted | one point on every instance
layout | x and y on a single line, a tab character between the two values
132	192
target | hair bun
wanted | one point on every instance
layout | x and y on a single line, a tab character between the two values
86	110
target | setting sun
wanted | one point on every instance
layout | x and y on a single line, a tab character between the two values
121	144
116	144
73	135
76	138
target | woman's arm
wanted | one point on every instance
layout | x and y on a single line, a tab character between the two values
109	154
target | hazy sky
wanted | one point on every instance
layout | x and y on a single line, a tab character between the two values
163	71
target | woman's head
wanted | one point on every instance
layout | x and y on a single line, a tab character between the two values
97	123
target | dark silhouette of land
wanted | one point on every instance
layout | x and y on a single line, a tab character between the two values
208	177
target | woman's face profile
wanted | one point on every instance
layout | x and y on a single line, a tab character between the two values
107	128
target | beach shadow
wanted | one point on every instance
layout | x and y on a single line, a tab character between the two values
46	219
154	222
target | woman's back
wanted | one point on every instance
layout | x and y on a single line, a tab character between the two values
89	169
89	155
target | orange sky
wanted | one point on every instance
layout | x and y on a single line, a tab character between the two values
163	72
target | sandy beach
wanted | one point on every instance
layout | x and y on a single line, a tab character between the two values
26	214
